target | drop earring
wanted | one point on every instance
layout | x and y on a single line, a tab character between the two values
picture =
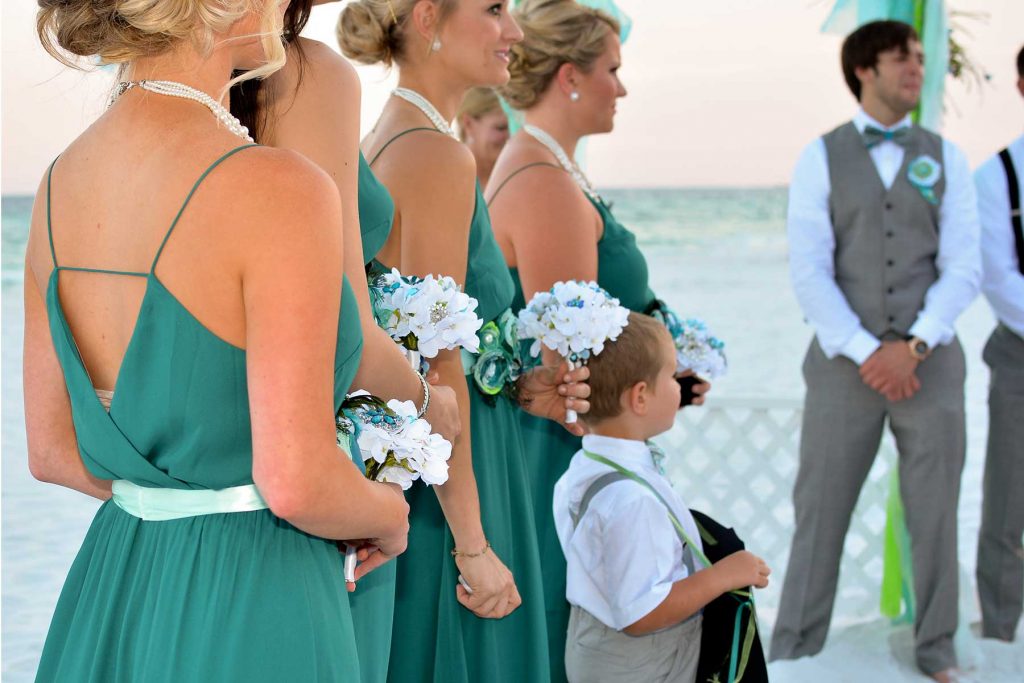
574	96
436	45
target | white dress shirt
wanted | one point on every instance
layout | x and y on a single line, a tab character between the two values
812	248
625	554
1002	282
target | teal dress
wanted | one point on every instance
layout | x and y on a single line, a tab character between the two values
373	602
434	637
622	271
240	596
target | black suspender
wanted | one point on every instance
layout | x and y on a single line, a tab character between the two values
1015	219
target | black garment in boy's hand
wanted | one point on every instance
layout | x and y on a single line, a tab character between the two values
719	624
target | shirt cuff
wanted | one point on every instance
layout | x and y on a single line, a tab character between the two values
929	330
860	346
627	615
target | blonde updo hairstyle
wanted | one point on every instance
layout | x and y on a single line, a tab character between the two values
374	31
477	103
122	31
555	32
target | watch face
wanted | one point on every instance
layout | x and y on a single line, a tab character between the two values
920	348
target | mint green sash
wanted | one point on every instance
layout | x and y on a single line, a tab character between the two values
161	504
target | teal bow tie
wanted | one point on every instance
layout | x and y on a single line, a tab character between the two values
658	456
872	136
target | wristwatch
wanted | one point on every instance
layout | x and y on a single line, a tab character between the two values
919	348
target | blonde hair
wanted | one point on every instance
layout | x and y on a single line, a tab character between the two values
478	102
122	31
555	32
636	356
372	31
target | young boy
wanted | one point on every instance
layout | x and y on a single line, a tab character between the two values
635	586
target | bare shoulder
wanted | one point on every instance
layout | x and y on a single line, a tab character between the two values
275	188
432	161
528	170
326	69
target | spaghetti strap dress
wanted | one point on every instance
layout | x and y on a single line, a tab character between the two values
232	596
434	637
621	271
373	602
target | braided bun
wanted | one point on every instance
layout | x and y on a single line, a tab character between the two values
555	32
121	31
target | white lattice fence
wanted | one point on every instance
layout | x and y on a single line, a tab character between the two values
736	460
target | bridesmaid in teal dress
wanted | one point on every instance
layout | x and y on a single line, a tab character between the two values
312	107
180	393
479	524
552	226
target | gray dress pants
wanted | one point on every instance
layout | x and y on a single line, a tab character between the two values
595	653
842	428
1000	571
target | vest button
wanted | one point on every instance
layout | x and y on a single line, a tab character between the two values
889	233
890	263
892	319
888	206
891	290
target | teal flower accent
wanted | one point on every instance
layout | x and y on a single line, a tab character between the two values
923	173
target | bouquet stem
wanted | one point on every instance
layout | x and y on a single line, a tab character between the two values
413	358
570	414
350	564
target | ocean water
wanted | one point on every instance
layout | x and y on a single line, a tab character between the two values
719	254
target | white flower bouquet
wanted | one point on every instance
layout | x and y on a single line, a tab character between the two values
696	348
395	445
425	315
573	318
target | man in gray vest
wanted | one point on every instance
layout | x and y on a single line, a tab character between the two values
883	238
1000	571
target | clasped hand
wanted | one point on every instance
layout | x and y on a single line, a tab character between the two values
494	590
548	391
890	371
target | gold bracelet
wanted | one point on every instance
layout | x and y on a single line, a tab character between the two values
460	553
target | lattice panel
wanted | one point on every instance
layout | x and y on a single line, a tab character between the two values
737	460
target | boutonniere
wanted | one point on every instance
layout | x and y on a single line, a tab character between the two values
923	172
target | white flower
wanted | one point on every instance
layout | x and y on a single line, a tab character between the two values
573	318
433	311
396	446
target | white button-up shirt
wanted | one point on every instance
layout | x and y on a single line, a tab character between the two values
625	554
812	248
1002	282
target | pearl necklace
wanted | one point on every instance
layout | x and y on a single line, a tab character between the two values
568	164
429	110
187	92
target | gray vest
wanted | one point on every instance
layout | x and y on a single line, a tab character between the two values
886	240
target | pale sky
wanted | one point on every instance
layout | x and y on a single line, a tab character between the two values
722	93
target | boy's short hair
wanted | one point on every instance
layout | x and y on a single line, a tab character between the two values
862	47
636	356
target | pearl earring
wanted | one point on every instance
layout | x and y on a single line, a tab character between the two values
436	45
574	96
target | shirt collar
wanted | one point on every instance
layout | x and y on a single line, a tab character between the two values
862	120
626	452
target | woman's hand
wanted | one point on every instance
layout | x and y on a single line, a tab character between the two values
373	552
547	391
443	411
494	590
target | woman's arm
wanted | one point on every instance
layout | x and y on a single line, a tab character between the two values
53	455
432	179
290	267
320	120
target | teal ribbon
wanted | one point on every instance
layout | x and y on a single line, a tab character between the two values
162	504
874	136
